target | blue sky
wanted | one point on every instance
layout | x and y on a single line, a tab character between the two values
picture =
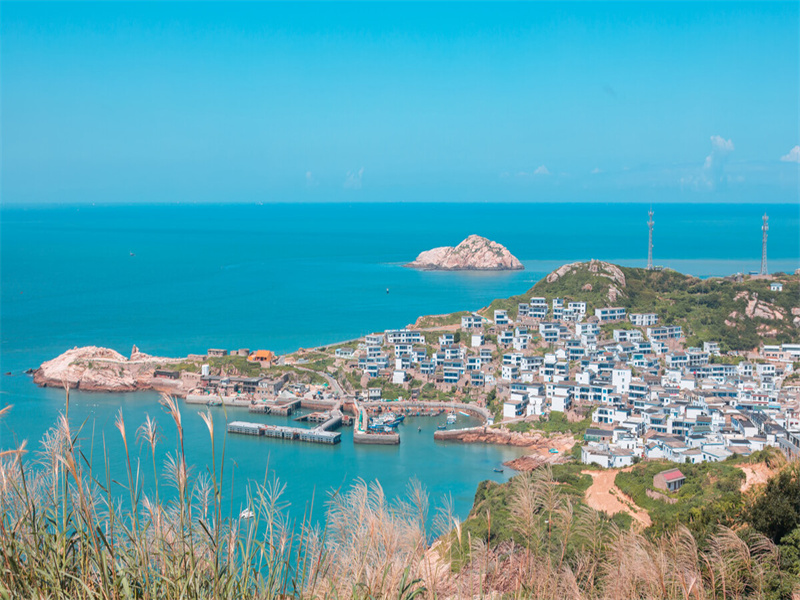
208	102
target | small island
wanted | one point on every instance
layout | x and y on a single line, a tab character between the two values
475	253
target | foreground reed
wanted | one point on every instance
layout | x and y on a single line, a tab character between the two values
65	534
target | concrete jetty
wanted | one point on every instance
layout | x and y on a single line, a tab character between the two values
321	434
317	435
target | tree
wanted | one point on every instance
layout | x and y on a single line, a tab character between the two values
776	512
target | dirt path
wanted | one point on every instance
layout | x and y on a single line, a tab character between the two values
605	496
755	474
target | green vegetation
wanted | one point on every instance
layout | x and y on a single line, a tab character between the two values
494	404
776	512
235	365
520	427
431	321
557	422
389	390
430	393
317	361
188	366
710	495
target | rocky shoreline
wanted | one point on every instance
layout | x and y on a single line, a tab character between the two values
538	444
96	369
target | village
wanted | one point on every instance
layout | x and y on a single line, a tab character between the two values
649	396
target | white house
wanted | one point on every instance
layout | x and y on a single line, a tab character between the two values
621	380
609	313
501	317
606	456
643	319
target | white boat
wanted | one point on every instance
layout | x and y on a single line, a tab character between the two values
246	514
451	418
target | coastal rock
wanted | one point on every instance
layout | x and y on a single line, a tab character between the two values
475	253
89	368
97	369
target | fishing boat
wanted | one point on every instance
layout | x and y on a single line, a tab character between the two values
498	469
451	418
440	427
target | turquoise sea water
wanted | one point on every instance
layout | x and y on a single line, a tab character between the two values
283	276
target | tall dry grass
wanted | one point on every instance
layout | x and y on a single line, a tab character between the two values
65	534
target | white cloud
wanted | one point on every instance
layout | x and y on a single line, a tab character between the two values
713	176
311	180
353	179
720	144
792	156
541	170
595	171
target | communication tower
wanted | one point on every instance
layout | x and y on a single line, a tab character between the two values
650	241
764	230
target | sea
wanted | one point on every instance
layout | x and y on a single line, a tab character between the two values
182	278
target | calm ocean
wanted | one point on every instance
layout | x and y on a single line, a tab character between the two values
283	276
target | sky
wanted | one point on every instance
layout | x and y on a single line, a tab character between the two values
361	102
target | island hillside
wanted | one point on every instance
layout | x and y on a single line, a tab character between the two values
740	311
475	253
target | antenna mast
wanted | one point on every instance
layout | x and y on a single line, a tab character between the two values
650	240
764	230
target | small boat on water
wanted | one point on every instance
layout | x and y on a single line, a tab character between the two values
498	469
440	427
419	428
461	412
451	418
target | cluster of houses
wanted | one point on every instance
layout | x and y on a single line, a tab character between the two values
650	396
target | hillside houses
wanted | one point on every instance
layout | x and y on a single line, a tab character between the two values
650	395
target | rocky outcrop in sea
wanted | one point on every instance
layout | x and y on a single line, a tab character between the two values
475	253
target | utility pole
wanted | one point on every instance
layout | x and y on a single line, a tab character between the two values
650	241
764	230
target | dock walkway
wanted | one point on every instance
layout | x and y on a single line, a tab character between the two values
321	434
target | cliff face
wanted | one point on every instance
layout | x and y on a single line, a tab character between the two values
475	253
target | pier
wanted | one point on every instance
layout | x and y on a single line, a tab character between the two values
321	434
316	435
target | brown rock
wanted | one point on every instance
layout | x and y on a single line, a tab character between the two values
475	253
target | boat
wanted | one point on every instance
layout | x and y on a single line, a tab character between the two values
451	418
419	428
461	412
553	451
440	427
246	514
498	469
